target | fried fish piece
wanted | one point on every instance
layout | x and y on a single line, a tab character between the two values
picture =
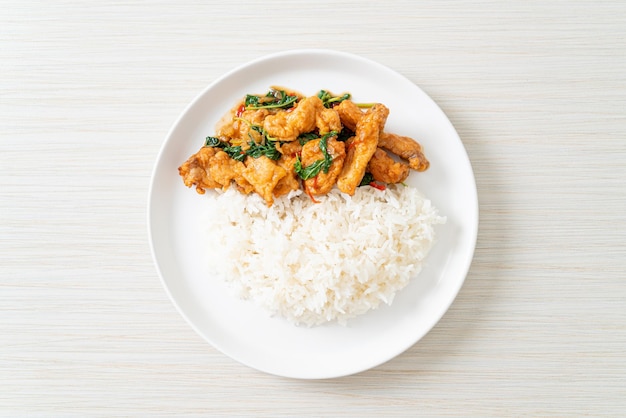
311	152
263	174
361	147
290	181
287	126
403	146
387	170
309	114
406	148
290	149
235	127
349	114
194	170
327	120
212	168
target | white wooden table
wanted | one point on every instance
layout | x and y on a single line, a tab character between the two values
537	92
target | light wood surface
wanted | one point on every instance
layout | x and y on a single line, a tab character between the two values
537	92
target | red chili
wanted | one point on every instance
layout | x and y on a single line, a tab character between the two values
292	108
352	145
306	189
377	186
240	111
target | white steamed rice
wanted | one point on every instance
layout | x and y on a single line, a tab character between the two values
313	263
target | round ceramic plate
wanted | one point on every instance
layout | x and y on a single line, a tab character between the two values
239	328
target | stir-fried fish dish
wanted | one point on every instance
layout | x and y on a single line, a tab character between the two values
282	141
367	243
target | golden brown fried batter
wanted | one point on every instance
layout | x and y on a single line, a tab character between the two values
291	149
234	127
403	146
406	148
385	169
307	115
211	168
194	173
263	174
361	147
323	182
290	181
327	120
349	114
287	126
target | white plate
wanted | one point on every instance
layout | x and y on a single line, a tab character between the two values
241	330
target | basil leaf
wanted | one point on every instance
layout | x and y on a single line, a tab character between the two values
212	141
268	149
328	160
274	99
306	137
235	152
329	100
314	169
367	179
307	172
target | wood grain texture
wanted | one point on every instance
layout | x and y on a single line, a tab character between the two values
537	92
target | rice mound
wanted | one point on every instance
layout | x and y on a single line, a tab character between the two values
312	263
